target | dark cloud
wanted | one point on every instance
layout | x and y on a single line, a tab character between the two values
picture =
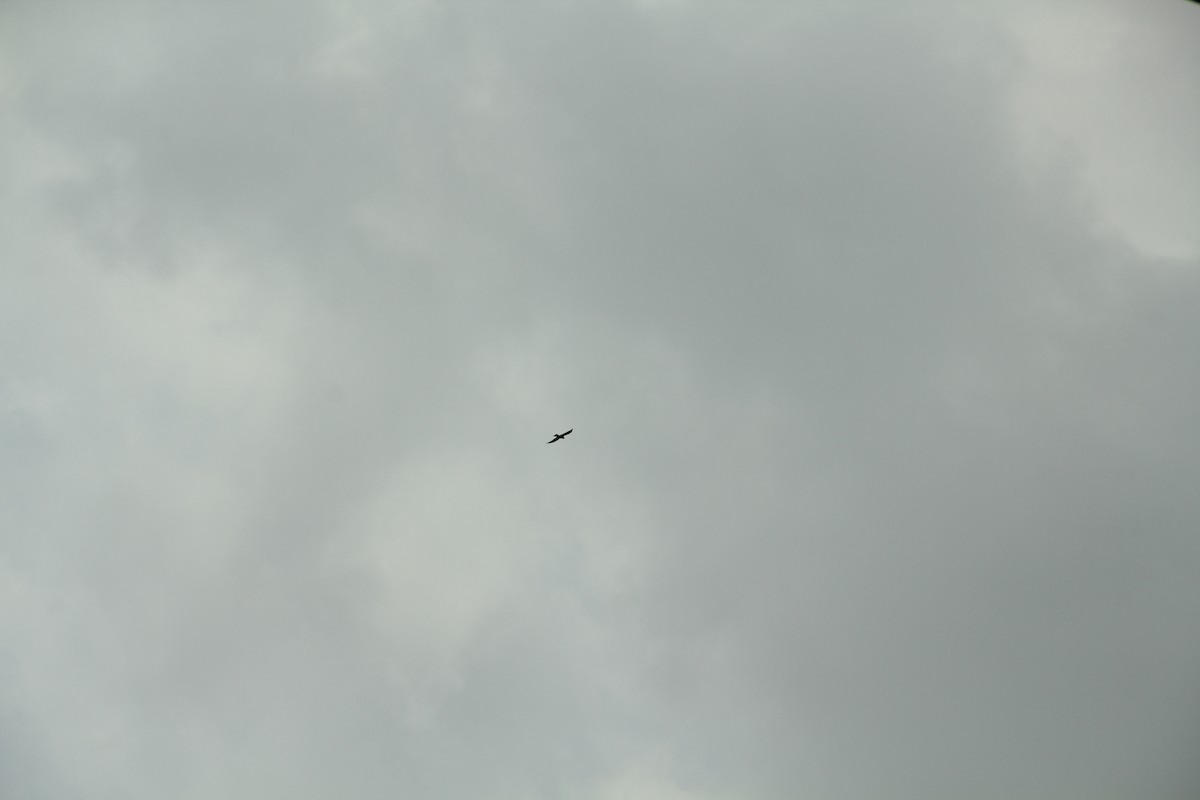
881	484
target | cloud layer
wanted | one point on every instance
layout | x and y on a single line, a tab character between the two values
876	328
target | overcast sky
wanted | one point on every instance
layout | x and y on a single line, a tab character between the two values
878	324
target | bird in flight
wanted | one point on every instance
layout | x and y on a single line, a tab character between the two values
558	436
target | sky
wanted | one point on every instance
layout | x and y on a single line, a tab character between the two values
877	325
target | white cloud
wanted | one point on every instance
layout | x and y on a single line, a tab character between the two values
1110	86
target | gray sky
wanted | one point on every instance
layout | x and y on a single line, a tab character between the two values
878	325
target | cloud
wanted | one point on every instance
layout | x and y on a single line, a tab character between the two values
881	484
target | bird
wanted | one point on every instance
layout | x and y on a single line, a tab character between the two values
558	436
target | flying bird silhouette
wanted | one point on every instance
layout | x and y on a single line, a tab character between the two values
558	436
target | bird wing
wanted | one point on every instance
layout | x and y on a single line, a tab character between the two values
564	434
